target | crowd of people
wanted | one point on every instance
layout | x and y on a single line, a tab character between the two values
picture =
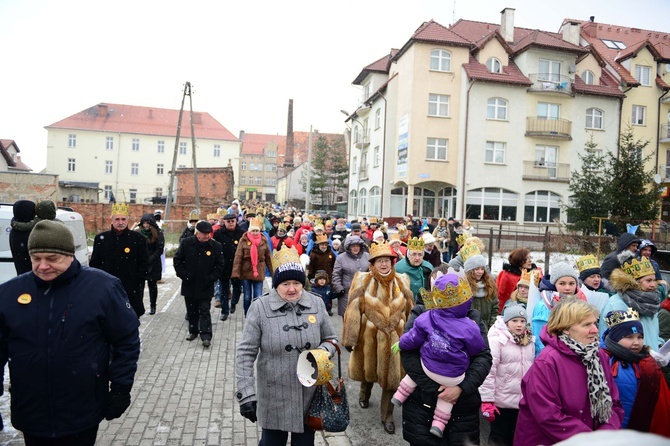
540	355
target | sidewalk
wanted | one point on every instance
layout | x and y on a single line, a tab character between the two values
184	393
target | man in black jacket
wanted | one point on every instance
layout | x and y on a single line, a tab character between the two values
199	263
228	235
611	262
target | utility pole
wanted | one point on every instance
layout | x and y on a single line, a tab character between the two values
195	165
309	169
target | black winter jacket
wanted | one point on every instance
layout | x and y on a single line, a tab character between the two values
18	244
610	263
417	411
198	265
229	241
155	247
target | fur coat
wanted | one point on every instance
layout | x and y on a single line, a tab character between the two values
374	321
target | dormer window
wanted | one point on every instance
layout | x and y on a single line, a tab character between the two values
588	77
614	44
440	60
493	65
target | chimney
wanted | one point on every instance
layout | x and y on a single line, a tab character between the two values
103	110
241	135
507	24
592	19
288	159
570	31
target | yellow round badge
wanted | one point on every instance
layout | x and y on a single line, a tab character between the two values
209	253
24	299
236	242
127	250
311	318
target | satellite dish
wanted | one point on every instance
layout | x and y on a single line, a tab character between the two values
657	179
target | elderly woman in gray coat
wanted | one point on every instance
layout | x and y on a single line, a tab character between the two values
279	326
353	260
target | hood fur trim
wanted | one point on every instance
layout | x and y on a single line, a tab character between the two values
622	282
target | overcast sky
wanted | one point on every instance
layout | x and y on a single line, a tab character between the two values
245	59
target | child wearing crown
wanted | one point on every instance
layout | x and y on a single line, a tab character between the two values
447	340
636	287
642	388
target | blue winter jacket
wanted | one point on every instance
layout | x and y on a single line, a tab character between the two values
58	338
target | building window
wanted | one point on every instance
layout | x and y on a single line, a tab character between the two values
491	203
270	167
182	148
547	156
550	70
72	140
375	200
378	118
436	149
136	145
588	77
542	206
594	118
548	111
217	150
438	105
108	192
614	44
354	166
134	168
182	166
161	147
159	169
495	152
493	65
70	164
243	180
353	201
643	75
259	181
363	199
376	157
109	143
639	115
496	108
109	167
440	60
133	195
364	160
252	166
244	165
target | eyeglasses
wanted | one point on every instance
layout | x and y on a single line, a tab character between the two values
383	260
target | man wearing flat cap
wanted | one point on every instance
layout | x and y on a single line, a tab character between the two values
199	263
59	325
229	236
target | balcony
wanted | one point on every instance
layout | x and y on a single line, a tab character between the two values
546	171
551	128
552	84
665	133
664	173
363	173
362	139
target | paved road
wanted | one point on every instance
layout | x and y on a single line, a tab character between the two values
184	393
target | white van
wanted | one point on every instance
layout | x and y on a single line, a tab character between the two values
72	220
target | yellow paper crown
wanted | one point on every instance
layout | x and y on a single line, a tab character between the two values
415	244
318	222
462	238
638	269
526	275
259	222
587	262
617	317
285	255
120	209
373	220
468	251
321	239
220	212
194	215
281	227
260	211
380	250
451	296
212	217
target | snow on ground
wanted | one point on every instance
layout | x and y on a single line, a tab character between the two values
538	258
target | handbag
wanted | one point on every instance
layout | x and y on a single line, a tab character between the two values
329	409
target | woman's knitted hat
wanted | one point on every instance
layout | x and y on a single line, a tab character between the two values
287	266
51	236
24	211
46	210
623	323
512	311
562	269
474	262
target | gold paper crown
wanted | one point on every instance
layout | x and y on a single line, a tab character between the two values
462	238
415	244
259	222
194	215
526	275
380	250
617	317
587	262
468	251
260	211
639	269
120	209
281	227
373	220
321	239
450	297
220	212
285	255
212	217
318	222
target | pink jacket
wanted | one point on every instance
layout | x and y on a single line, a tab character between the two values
502	386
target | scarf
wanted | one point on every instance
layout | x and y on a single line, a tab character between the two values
146	233
255	240
623	354
381	279
523	339
599	392
646	303
480	292
666	304
522	300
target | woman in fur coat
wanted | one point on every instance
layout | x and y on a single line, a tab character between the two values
379	304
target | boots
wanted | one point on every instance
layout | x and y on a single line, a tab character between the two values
399	397
153	309
440	420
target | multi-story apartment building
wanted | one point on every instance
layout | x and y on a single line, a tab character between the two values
481	121
129	150
258	166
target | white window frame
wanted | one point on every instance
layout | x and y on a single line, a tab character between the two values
493	150
639	115
643	75
243	166
134	169
243	181
477	199
353	200
363	201
378	118
536	200
354	165
440	60
108	191
72	140
551	71
594	118
376	157
182	148
109	143
160	147
71	164
133	195
136	145
160	169
437	149
158	192
217	150
548	110
438	105
375	200
495	107
109	167
589	77
493	65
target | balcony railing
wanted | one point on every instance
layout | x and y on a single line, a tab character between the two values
546	171
363	173
665	133
664	173
554	128
551	83
362	139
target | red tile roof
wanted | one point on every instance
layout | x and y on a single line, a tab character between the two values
433	32
607	87
661	83
12	164
511	73
254	143
118	118
380	65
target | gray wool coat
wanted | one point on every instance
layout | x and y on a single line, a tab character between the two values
346	267
282	402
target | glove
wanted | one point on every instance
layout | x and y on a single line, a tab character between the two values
248	411
341	293
349	349
395	348
489	410
118	401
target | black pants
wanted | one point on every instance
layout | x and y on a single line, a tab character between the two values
503	427
225	294
278	438
84	438
153	292
199	317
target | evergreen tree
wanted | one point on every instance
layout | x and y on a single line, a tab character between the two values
588	188
631	193
328	172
